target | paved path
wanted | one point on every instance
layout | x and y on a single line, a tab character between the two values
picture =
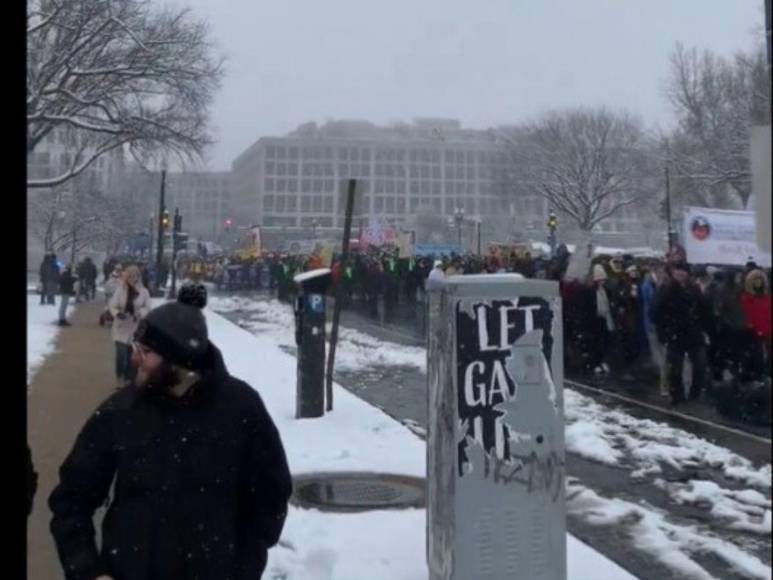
67	388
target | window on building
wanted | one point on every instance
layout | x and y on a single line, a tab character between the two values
281	185
328	204
305	204
414	187
306	185
414	204
378	206
390	187
292	186
269	184
281	153
317	186
280	203
268	203
292	203
292	152
270	152
317	203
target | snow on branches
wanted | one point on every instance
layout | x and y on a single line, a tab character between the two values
118	74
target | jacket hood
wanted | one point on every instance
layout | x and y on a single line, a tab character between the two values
752	276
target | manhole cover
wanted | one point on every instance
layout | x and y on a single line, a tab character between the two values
354	492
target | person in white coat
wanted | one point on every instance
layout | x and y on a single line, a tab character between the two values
130	304
437	277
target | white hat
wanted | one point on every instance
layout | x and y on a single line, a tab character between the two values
599	273
632	268
438	263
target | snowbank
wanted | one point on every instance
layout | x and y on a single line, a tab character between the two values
42	331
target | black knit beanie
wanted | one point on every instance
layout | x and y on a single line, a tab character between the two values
177	332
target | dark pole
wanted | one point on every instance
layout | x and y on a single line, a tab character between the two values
160	241
176	226
150	242
479	237
768	24
339	295
668	210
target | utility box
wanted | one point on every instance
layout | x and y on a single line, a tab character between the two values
495	447
310	338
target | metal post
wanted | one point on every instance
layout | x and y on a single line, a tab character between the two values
479	224
173	291
160	241
150	244
668	210
352	186
768	24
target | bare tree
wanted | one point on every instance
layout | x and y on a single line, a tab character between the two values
588	164
80	217
118	74
716	101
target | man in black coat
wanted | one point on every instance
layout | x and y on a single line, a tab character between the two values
66	291
201	478
682	323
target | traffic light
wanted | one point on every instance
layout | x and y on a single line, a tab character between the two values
228	224
165	219
178	222
552	221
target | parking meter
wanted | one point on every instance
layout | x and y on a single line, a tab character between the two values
495	445
310	338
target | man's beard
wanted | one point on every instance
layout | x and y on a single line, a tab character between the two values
162	379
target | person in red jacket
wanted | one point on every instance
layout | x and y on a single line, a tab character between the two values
755	301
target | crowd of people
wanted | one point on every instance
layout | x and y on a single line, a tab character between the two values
637	319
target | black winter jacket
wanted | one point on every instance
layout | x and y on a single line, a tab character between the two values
67	283
681	315
201	485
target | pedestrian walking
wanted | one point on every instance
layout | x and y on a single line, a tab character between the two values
655	280
201	478
755	301
682	322
49	279
129	305
66	291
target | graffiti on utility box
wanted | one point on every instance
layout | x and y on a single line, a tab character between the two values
503	357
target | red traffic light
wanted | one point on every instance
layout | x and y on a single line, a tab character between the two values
228	223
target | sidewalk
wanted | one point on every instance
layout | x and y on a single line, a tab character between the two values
65	390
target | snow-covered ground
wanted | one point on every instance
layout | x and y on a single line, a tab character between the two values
41	332
646	449
388	545
355	350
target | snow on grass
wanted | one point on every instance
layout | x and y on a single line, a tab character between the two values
645	446
746	510
42	331
674	545
378	545
355	350
601	434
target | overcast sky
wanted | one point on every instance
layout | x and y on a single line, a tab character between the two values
484	62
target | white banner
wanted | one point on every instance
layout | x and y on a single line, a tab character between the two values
716	236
